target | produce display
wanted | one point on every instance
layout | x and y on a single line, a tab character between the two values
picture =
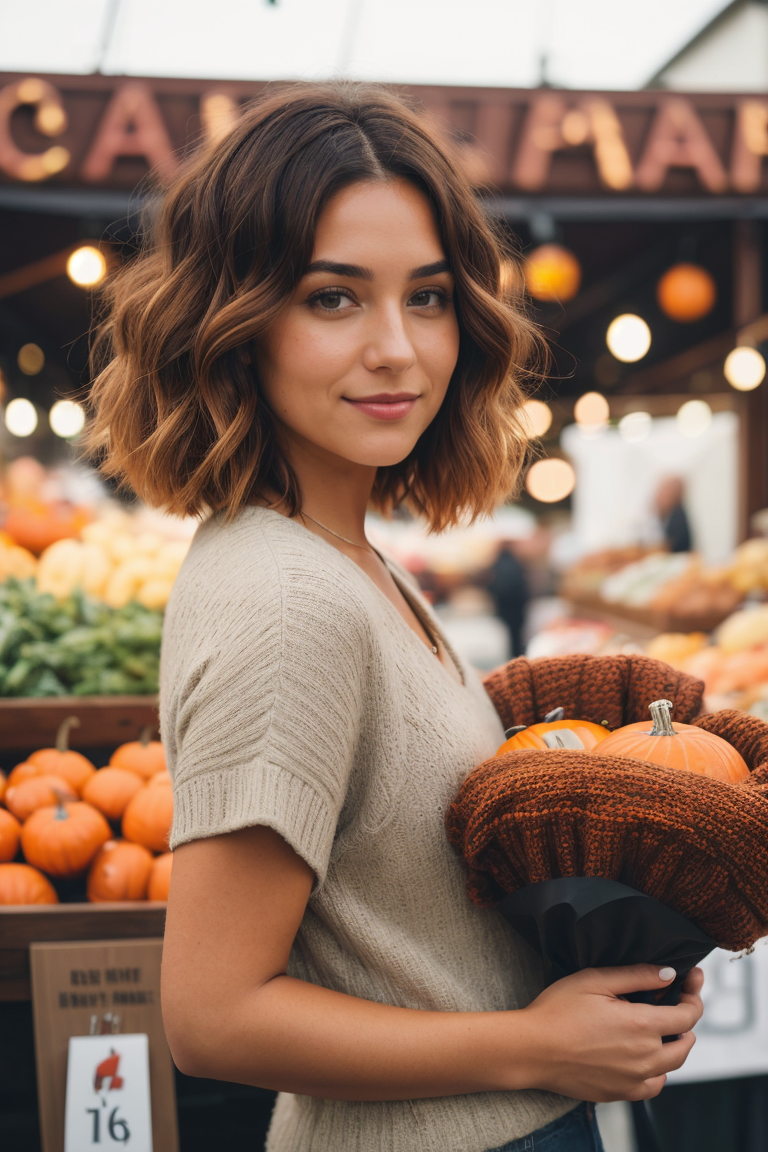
62	819
76	646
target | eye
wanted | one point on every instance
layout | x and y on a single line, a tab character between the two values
331	300
430	298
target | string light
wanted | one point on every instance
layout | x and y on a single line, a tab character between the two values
536	418
744	368
552	273
86	266
591	410
694	417
550	480
66	418
30	359
21	417
628	337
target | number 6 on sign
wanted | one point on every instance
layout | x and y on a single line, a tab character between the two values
108	1105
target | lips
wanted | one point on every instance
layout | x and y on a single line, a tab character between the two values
385	405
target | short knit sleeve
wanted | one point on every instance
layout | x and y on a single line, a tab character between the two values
261	691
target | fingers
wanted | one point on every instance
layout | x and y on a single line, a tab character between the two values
694	981
672	1020
628	978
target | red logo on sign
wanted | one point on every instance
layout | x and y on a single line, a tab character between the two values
107	1070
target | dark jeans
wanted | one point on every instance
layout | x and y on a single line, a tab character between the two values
577	1131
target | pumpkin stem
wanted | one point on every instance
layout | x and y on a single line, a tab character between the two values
146	735
62	736
555	715
61	798
662	721
510	732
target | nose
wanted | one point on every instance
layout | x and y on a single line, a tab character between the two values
388	344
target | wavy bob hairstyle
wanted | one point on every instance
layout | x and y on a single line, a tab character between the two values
177	411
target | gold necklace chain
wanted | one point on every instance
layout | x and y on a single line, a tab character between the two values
366	547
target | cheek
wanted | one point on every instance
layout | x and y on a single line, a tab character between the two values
298	365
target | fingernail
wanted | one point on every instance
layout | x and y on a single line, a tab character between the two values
667	974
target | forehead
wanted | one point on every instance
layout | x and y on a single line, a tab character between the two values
378	219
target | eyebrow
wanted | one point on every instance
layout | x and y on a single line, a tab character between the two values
356	272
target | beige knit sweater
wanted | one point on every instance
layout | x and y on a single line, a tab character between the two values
293	694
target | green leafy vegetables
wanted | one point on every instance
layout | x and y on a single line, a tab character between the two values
75	647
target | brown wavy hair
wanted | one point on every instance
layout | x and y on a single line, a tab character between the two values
177	413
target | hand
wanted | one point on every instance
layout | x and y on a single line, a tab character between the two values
591	1044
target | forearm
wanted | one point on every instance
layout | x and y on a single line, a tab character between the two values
293	1036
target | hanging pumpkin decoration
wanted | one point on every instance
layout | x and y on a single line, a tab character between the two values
686	292
144	756
552	273
119	871
63	839
555	732
10	831
110	789
160	877
22	884
74	767
676	746
38	792
148	816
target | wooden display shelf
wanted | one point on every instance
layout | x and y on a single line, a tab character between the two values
32	722
639	623
22	926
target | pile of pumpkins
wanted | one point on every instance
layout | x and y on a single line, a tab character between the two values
63	813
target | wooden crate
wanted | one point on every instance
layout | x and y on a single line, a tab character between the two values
105	721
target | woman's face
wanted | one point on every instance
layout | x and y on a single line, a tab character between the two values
359	363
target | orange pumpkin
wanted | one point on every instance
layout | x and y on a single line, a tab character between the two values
555	732
22	772
3	783
25	798
10	831
62	761
676	746
22	884
144	756
110	789
160	877
147	817
161	777
64	838
119	871
35	525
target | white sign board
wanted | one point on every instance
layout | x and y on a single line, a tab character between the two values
732	1035
107	1102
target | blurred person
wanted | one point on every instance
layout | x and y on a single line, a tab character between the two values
318	324
508	586
668	506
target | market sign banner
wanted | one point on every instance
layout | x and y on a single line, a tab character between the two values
108	132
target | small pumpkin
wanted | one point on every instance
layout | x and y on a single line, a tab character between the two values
10	831
22	772
119	871
144	756
555	732
3	784
160	877
147	817
25	798
110	789
161	777
23	884
676	746
73	766
63	839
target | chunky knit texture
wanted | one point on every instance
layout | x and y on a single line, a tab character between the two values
293	694
698	845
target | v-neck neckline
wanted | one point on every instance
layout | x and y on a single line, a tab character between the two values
428	624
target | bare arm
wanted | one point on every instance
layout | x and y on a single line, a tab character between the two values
231	1013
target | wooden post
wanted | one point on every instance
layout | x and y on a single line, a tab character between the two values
747	306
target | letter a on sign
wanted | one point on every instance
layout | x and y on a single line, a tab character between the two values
108	1104
131	126
677	139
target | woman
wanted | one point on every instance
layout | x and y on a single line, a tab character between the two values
318	325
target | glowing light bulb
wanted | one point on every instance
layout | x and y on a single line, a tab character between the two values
535	418
31	359
86	266
550	480
591	410
635	426
21	417
744	368
694	417
628	337
66	418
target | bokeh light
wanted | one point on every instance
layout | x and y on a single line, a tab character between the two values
552	273
66	418
86	266
686	292
30	359
628	337
635	426
21	417
694	417
744	368
536	418
592	410
550	480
